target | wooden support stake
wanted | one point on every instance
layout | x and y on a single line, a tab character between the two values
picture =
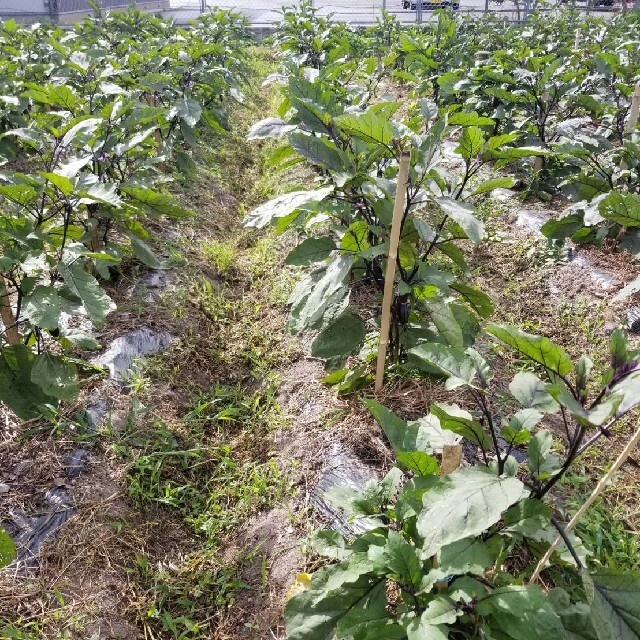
604	481
11	335
632	122
387	298
576	45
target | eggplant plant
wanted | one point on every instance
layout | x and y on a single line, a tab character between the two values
89	119
450	557
353	144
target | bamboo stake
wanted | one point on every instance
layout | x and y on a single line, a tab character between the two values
387	298
576	46
632	122
11	334
626	452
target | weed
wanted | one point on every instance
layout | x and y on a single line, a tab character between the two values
221	254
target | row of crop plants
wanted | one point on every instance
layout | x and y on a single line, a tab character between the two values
92	122
455	556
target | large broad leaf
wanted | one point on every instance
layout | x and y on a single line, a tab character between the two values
479	300
532	393
522	613
460	422
7	549
317	150
615	603
95	300
269	128
372	126
321	296
464	215
471	143
334	592
469	118
17	391
283	206
538	348
43	307
143	252
444	320
403	559
402	436
340	337
311	250
152	201
623	208
56	376
494	183
454	363
464	504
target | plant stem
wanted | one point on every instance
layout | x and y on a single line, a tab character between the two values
620	460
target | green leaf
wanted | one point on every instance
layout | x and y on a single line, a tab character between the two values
614	597
518	431
623	208
21	194
441	610
563	227
522	612
143	252
283	206
403	559
537	348
269	128
402	436
467	555
418	462
454	363
464	215
334	591
444	320
311	250
43	307
494	183
155	202
189	110
527	518
82	284
459	421
17	390
318	151
321	296
56	376
479	300
532	393
340	337
470	143
372	126
463	504
470	118
541	463
7	549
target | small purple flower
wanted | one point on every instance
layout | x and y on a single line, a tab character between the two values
360	204
188	85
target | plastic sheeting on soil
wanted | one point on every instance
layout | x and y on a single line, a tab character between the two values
341	468
124	352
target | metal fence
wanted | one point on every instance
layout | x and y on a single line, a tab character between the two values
265	13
